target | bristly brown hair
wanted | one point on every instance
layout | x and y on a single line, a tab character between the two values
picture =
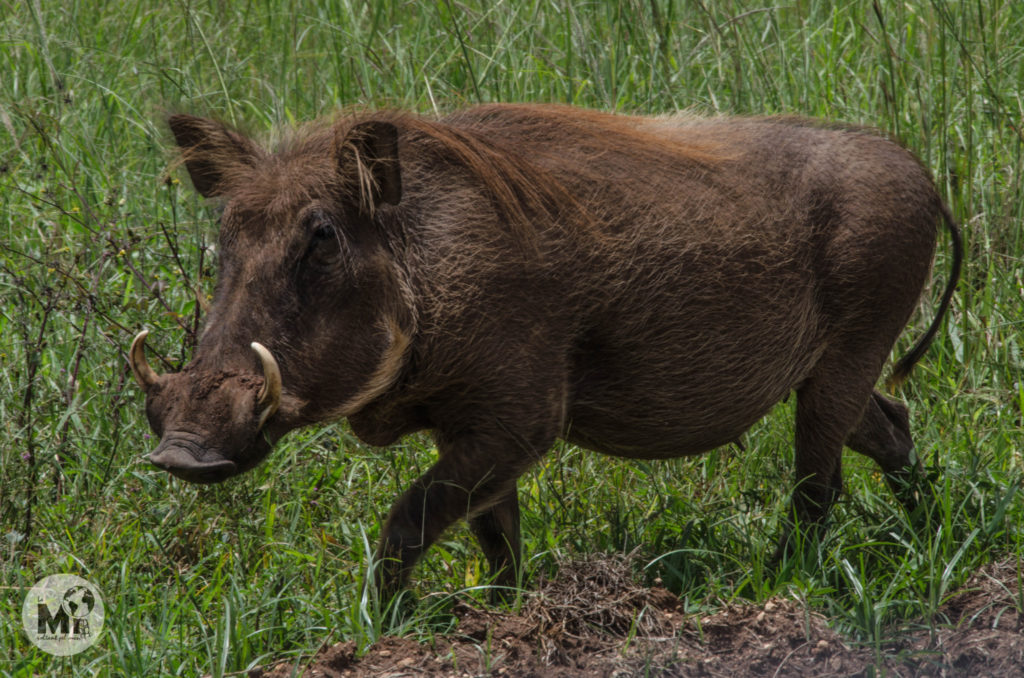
523	189
522	192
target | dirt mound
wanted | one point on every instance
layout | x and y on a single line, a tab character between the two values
593	620
986	623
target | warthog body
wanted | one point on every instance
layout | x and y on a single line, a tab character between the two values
510	275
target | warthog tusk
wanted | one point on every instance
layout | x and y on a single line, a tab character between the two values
270	395
144	374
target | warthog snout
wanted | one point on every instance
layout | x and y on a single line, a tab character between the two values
212	423
185	456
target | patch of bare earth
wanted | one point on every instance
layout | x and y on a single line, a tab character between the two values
593	620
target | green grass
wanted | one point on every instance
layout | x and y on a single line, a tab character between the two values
96	242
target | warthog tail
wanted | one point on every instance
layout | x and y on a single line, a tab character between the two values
907	362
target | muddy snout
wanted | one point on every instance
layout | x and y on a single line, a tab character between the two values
211	423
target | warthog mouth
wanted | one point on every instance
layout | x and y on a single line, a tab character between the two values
183	456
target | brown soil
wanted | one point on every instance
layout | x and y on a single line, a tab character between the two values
593	620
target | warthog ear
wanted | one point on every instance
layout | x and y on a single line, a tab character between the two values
210	151
372	149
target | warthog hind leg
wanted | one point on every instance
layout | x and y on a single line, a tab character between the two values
883	434
828	406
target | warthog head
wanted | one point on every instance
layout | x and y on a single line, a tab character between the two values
287	340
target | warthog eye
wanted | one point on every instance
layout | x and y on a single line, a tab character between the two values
318	225
325	243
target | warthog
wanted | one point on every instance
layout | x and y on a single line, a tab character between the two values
510	274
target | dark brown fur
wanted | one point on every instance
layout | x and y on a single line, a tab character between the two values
509	275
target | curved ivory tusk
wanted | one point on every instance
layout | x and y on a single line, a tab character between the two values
269	398
144	374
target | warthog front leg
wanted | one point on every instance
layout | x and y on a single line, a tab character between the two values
469	481
497	530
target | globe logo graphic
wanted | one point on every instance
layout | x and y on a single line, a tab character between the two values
78	602
63	614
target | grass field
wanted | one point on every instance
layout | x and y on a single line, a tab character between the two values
97	240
